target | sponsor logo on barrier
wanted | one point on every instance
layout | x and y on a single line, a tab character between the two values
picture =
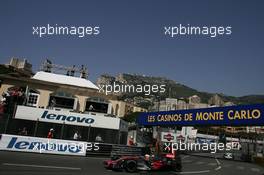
50	116
44	146
168	137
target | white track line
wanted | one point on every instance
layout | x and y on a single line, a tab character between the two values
219	165
184	157
217	161
218	168
195	172
202	171
41	166
97	158
255	169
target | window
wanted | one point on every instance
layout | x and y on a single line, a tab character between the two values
62	100
117	108
97	104
96	107
32	99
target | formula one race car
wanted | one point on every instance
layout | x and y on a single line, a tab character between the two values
140	163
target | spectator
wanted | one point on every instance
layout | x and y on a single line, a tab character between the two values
91	108
98	138
47	65
6	94
21	97
68	73
76	136
147	149
24	132
14	92
3	99
51	133
131	141
72	71
83	72
53	103
2	109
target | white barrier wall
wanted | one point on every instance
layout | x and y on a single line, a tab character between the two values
42	145
53	116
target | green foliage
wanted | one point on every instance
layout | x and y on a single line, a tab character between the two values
131	117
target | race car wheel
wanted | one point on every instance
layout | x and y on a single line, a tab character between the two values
130	166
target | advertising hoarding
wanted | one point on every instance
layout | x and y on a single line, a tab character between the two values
42	145
70	118
248	115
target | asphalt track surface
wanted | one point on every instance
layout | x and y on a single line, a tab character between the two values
18	163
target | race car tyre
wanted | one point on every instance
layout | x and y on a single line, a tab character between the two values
130	166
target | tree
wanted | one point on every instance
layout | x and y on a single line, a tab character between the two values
132	117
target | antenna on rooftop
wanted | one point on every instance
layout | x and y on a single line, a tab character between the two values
48	66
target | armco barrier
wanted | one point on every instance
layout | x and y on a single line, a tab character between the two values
104	150
118	150
114	150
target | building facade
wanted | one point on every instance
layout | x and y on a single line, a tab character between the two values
66	104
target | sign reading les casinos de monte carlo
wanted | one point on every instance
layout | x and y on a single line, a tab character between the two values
229	116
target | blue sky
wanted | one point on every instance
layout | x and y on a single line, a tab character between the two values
132	40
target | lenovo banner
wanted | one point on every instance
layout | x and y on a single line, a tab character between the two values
42	145
54	116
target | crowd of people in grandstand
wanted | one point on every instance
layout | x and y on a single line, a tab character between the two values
10	98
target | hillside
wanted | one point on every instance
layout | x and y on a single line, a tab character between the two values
173	89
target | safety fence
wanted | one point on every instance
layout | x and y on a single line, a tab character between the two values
115	150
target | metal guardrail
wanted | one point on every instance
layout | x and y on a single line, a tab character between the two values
104	150
114	150
118	150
